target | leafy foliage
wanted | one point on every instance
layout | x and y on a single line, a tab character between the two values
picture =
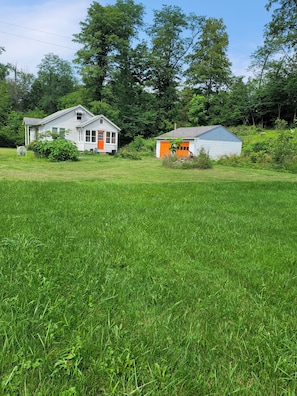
54	80
55	150
209	66
201	161
12	133
277	153
135	74
138	148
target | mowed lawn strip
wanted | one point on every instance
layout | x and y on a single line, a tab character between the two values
98	168
149	289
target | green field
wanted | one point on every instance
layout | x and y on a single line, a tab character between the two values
122	277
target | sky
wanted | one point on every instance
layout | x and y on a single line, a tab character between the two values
30	29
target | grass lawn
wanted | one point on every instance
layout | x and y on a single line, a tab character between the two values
122	277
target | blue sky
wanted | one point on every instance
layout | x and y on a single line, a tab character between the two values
29	29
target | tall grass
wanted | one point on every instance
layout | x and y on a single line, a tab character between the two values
148	288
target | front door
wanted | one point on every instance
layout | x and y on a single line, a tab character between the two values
100	140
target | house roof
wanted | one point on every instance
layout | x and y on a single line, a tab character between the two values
32	121
96	118
57	114
188	133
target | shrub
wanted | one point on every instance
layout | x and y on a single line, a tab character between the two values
201	161
126	153
140	146
55	150
280	124
232	160
137	144
63	150
284	147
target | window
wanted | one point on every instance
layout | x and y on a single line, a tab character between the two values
79	115
100	135
101	120
58	132
90	136
110	137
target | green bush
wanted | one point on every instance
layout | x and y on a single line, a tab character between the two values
126	153
63	150
201	161
232	160
137	148
55	150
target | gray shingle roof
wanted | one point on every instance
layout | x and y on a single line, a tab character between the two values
32	121
41	121
188	133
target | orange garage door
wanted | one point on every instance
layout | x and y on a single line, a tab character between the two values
183	150
164	149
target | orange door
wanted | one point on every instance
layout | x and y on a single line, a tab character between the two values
183	150
164	149
100	140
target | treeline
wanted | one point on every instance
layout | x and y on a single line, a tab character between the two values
149	78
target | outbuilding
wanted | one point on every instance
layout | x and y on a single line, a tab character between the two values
215	140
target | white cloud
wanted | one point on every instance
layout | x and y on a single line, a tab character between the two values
28	32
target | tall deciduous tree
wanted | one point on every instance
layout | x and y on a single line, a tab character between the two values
19	85
209	67
172	34
107	32
283	26
137	107
55	78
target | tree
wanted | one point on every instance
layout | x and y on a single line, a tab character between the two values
138	114
3	68
55	79
172	34
197	110
283	26
12	133
106	32
209	67
235	110
19	85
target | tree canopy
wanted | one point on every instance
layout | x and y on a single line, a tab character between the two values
148	78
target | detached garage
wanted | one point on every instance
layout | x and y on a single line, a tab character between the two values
216	140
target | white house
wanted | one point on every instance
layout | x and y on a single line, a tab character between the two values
88	131
216	140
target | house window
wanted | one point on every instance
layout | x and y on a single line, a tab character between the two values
100	135
90	136
101	120
58	132
78	116
110	137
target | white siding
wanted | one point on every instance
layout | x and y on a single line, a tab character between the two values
105	126
216	148
158	145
